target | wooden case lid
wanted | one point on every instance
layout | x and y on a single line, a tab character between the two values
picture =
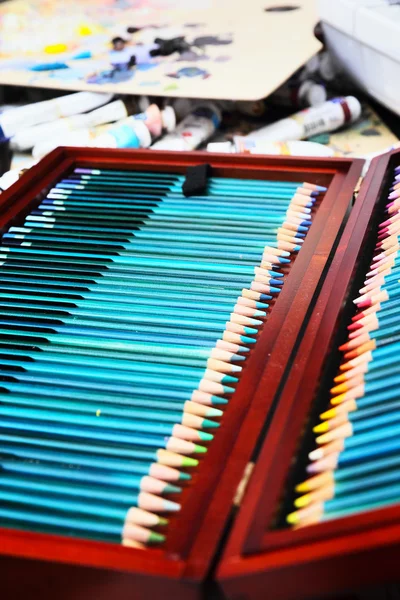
260	560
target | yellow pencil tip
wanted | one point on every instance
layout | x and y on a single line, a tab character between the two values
302	487
321	428
329	414
293	518
340	378
338	389
338	399
302	501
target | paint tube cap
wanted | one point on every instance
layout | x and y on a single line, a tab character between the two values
143	103
142	132
312	94
327	67
223	147
354	107
168	118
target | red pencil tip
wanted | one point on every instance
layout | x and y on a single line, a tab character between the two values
354	326
351	354
364	304
344	347
357	317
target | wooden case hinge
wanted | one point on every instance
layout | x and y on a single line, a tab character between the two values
241	488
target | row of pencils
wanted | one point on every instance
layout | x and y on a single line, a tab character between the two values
127	314
355	466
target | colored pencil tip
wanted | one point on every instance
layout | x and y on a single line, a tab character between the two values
316	454
199	449
162	521
365	303
328	414
229	378
321	428
210	424
338	399
205	437
227	389
293	518
354	326
247	340
170	506
187	461
351	354
297	249
274	281
156	538
172	489
303	501
214	412
184	476
340	378
338	389
217	400
265	297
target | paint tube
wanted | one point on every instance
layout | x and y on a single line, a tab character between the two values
8	178
56	130
221	147
81	138
195	129
329	116
127	134
247	145
125	131
157	120
18	119
299	94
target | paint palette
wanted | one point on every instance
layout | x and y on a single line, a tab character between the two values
204	49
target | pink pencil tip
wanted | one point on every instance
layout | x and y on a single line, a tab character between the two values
365	304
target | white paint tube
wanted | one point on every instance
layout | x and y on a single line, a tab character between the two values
326	117
123	135
245	145
17	119
128	132
56	130
195	129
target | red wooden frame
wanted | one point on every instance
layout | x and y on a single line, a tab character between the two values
196	531
327	558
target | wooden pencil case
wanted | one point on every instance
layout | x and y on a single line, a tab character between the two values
48	566
339	558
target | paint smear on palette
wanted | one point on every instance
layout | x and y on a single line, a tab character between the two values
190	72
191	56
111	77
222	59
146	66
